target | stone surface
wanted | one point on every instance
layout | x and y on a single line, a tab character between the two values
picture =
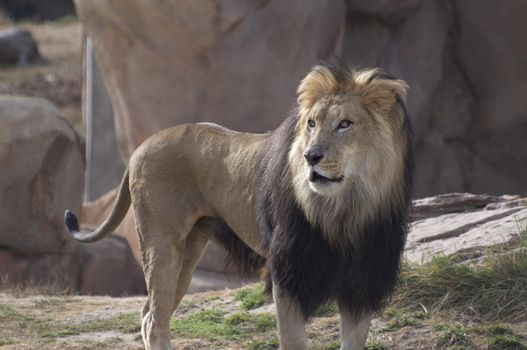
42	174
385	9
42	166
109	268
38	10
464	63
463	222
227	64
17	46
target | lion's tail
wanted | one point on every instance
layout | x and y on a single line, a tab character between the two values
120	208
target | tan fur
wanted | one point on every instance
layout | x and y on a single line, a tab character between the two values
186	173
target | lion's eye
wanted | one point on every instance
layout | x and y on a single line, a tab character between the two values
311	123
344	124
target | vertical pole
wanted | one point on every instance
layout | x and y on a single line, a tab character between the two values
88	114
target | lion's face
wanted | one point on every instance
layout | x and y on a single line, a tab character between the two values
335	136
348	135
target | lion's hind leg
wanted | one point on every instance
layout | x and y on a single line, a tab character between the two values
194	248
164	238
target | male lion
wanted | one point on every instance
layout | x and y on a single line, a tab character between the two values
322	201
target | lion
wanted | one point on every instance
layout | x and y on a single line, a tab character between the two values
321	203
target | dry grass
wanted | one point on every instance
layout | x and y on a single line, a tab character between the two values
494	289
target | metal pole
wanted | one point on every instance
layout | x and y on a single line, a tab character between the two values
88	115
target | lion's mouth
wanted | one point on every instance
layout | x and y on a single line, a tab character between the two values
316	177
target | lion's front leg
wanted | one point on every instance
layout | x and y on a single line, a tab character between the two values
353	330
291	322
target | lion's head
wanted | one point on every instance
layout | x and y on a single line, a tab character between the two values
350	152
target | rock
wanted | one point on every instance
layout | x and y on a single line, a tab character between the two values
385	9
18	47
42	174
109	268
38	10
59	271
209	68
463	222
464	63
42	164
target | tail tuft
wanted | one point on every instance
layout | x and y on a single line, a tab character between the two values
71	222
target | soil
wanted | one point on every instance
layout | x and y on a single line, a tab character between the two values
46	321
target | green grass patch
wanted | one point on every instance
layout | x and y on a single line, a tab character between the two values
6	341
405	319
506	342
263	344
124	323
451	335
333	345
8	313
373	344
496	289
212	324
493	329
58	333
252	297
207	324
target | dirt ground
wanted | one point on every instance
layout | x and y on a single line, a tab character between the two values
59	78
83	322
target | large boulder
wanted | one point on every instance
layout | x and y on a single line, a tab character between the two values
237	63
42	164
463	223
42	174
464	63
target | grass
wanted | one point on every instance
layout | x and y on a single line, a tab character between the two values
263	344
334	345
493	329
124	323
252	297
505	342
6	341
451	335
213	325
7	313
500	336
496	289
405	319
373	344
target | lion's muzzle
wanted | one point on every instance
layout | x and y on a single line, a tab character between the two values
316	177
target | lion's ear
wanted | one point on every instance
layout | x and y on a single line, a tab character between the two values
380	92
320	81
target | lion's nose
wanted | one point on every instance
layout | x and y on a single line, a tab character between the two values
314	155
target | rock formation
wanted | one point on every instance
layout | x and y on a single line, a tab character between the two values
42	165
463	223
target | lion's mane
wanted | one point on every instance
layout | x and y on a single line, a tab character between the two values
320	251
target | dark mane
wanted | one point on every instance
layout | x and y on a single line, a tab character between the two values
361	277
